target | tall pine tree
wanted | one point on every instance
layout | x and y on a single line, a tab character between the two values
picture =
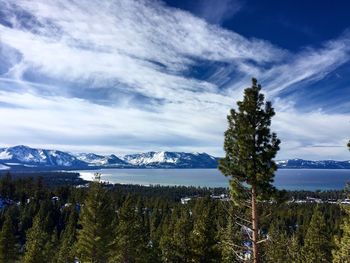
156	219
130	243
278	244
37	239
341	254
8	251
94	237
250	147
203	236
294	250
317	246
175	241
68	238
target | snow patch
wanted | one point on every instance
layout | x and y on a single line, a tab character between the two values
4	167
5	155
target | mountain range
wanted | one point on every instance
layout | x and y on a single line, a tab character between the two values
24	157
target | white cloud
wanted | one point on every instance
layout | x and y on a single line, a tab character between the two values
144	48
309	65
55	121
312	135
217	11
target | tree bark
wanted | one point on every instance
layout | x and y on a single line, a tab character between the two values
255	226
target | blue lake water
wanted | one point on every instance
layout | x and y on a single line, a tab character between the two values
290	179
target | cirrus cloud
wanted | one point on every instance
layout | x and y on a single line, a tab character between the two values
136	75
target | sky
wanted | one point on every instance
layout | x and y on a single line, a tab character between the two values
130	76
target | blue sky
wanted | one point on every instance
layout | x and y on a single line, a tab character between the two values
135	75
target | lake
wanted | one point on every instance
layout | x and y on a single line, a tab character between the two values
289	179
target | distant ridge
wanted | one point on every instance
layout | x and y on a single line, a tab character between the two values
307	164
24	157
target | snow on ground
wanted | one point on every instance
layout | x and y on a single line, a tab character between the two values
5	155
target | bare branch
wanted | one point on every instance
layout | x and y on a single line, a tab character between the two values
263	240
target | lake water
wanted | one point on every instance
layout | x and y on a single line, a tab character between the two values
290	179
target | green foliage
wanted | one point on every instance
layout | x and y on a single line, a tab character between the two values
228	243
6	186
249	145
278	244
68	239
175	243
250	148
155	229
94	239
203	236
8	251
130	243
341	254
317	245
231	241
51	247
37	239
294	250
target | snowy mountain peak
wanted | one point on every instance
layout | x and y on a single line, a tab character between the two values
165	159
99	160
24	155
21	156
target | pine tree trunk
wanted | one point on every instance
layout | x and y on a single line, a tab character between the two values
255	226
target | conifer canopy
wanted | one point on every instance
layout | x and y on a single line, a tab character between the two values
249	144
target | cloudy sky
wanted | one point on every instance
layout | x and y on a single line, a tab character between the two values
128	76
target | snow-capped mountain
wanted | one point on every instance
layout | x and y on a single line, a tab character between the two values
171	160
24	157
29	157
307	164
99	160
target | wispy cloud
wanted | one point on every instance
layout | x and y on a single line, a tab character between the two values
300	132
137	75
309	65
217	12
